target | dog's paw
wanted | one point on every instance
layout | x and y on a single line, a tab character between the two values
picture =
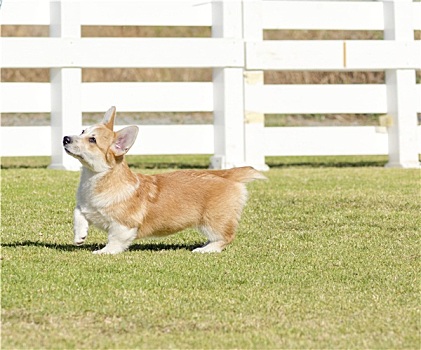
108	250
213	247
100	251
104	251
80	241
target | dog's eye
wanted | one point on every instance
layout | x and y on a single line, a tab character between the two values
92	140
83	131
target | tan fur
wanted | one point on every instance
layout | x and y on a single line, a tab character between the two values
130	205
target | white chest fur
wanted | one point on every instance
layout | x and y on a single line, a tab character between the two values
93	203
87	199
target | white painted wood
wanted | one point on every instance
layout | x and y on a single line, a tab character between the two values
121	52
152	13
401	89
255	121
17	12
323	15
238	103
228	90
147	13
418	98
295	55
321	141
381	55
253	18
226	19
316	99
129	97
152	139
228	118
66	113
179	97
174	139
300	15
38	137
30	52
204	52
25	98
161	52
401	97
416	15
198	139
333	55
148	97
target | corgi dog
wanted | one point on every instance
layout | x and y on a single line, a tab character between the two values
129	206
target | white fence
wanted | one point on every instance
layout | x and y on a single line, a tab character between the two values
237	96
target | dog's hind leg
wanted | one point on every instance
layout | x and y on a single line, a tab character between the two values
219	223
119	239
211	247
219	237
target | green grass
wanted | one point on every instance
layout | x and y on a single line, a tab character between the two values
325	257
202	161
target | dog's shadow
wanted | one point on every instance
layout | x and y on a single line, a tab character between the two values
92	247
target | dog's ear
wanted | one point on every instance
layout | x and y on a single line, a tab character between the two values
108	120
124	140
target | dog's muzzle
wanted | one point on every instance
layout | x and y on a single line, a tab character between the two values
67	140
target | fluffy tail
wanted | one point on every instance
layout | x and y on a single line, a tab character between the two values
243	174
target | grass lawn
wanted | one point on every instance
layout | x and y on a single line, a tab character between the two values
325	257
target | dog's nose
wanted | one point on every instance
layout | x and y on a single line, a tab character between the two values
66	140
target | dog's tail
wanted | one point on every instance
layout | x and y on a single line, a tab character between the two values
243	174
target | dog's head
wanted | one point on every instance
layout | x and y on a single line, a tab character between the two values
98	147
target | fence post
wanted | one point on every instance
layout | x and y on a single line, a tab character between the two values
254	120
401	89
228	91
66	114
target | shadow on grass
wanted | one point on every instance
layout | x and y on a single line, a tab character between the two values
92	247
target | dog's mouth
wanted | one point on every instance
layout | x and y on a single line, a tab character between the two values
73	154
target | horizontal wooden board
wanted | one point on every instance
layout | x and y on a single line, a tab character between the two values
327	141
18	12
316	99
174	139
184	97
113	13
152	139
129	97
12	145
25	98
322	15
296	15
198	139
387	54
121	52
292	55
149	97
333	55
152	13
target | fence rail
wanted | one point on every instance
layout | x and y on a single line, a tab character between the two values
237	96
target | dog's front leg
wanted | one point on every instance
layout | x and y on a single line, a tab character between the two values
119	239
80	227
